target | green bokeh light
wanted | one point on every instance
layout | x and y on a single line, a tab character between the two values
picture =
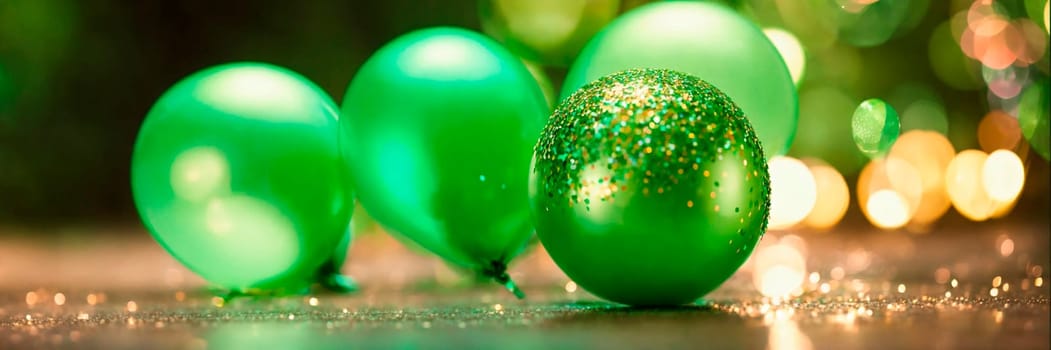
921	107
925	115
825	129
916	11
546	31
949	62
7	91
839	65
963	129
38	35
1033	116
872	25
812	21
1034	9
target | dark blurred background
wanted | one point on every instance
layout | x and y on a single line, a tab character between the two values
78	77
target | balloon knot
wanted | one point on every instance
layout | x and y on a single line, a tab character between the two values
329	277
497	270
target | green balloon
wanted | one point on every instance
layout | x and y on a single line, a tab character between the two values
551	32
237	173
330	273
704	39
873	24
649	187
441	124
875	126
1033	110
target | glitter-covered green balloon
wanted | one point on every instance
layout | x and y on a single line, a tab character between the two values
649	187
875	126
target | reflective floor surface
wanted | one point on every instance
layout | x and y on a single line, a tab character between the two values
962	285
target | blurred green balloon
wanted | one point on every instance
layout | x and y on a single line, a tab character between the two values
237	173
1033	110
1034	9
546	31
921	107
875	127
710	41
825	129
872	24
949	62
915	12
543	82
649	187
442	122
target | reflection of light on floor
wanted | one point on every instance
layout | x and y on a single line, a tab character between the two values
571	287
785	334
31	298
779	270
1005	245
779	280
837	273
941	275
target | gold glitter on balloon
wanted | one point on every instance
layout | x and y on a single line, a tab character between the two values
656	175
646	129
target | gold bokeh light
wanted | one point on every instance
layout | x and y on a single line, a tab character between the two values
1003	176
929	152
998	130
905	186
793	192
963	180
887	209
833	195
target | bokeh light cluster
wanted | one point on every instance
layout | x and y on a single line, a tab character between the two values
973	157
